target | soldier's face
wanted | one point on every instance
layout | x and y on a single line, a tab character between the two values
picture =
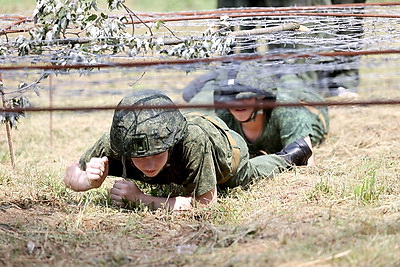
152	165
243	114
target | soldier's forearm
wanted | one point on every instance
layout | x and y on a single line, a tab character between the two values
76	179
173	204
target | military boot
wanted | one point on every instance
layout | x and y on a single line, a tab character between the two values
296	153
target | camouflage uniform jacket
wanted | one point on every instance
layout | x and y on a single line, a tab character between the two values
201	159
284	125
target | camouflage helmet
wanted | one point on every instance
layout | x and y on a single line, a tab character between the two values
233	91
146	132
243	82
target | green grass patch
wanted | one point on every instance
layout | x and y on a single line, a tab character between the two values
368	191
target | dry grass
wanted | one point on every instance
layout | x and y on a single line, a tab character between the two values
345	211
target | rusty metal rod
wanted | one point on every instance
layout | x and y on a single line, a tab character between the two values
200	60
264	105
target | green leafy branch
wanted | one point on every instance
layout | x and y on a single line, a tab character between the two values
55	22
12	117
18	101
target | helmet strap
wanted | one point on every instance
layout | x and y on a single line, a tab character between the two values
123	167
252	116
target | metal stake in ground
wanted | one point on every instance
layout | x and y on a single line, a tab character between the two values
8	128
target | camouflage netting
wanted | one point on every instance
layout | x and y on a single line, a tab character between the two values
171	49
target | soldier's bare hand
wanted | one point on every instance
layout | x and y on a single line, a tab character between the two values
125	191
96	171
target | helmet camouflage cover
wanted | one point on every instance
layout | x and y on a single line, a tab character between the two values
235	91
243	81
146	132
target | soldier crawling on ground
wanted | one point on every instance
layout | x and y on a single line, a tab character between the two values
268	130
163	146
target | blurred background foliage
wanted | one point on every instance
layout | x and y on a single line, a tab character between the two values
18	6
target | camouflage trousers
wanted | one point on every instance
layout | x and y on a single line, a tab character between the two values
251	170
